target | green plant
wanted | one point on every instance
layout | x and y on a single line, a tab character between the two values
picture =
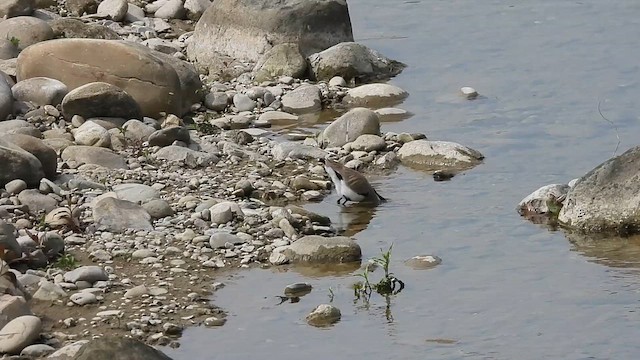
66	262
388	285
15	41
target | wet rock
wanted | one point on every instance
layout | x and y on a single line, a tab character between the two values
350	126
281	60
537	203
605	199
422	262
314	217
319	249
302	100
437	155
49	291
13	8
158	82
19	333
40	91
324	315
294	150
247	29
19	164
36	201
37	350
94	155
36	147
92	134
99	99
116	10
119	215
353	61
368	142
375	95
469	92
89	274
26	29
297	289
392	114
136	193
110	347
166	136
214	321
80	7
12	307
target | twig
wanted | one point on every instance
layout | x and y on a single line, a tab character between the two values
614	128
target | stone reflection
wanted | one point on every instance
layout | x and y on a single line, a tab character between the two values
618	252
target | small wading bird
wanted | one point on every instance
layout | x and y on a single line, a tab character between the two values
350	184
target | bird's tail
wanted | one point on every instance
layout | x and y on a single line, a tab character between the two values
379	196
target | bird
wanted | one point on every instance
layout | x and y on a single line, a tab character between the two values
350	184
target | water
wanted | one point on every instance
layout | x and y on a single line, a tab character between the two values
507	289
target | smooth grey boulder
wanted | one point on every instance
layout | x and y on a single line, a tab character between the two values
93	155
19	333
36	201
13	8
438	155
319	249
219	240
111	347
281	60
116	10
606	199
6	99
368	142
295	150
350	126
186	156
100	99
350	60
92	134
45	154
136	130
18	164
26	30
304	99
166	136
243	102
120	215
158	208
37	350
90	274
247	29
40	91
171	9
375	95
136	193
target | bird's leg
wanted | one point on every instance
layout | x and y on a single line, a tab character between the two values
338	202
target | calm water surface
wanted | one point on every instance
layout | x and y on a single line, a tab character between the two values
507	289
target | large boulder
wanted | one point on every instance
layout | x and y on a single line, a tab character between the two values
26	30
350	126
110	347
438	155
353	61
246	29
606	199
100	99
318	249
45	154
18	164
93	155
158	82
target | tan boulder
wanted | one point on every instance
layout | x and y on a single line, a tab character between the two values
157	84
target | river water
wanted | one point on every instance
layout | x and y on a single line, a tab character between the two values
507	288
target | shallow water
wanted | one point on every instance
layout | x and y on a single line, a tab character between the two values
507	289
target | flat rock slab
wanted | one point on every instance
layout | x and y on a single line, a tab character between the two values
375	95
438	155
119	215
318	249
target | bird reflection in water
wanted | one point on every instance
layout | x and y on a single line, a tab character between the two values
354	218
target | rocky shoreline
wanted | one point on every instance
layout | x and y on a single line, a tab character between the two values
132	178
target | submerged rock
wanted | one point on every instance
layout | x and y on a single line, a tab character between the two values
324	315
319	249
422	262
547	199
375	95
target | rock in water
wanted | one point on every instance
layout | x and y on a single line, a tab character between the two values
319	249
246	29
438	155
350	126
607	199
324	315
